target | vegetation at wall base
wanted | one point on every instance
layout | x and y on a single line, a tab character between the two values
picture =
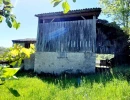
100	86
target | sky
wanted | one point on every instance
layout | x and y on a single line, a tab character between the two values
25	11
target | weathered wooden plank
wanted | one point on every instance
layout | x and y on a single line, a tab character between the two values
79	36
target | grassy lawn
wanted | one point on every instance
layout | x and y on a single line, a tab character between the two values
105	86
104	56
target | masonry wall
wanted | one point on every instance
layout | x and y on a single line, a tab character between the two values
29	63
50	62
66	47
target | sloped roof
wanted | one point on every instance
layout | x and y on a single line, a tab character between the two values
86	11
24	40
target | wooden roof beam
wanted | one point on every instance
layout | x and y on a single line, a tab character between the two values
70	15
83	17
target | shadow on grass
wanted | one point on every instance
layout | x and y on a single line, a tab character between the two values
14	92
68	80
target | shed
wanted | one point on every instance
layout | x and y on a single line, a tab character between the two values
66	42
28	64
25	42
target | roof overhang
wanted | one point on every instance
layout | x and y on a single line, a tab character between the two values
27	40
88	12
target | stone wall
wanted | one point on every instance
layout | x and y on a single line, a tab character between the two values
29	63
51	62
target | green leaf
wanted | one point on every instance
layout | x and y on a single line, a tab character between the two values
26	52
7	8
1	18
9	72
1	67
8	22
20	62
6	15
74	0
66	7
1	2
13	16
13	63
10	5
18	25
6	2
2	79
14	23
56	3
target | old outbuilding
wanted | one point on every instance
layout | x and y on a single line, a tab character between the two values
66	42
27	64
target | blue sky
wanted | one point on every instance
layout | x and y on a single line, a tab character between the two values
25	11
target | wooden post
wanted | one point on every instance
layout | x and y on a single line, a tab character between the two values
94	34
52	20
37	35
83	17
40	40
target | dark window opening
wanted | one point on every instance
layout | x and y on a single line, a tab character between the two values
27	45
41	20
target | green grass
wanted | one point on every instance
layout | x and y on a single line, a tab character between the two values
104	56
105	86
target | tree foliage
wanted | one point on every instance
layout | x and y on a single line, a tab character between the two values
119	11
65	5
2	50
13	57
6	13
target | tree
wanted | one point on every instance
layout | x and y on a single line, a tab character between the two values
119	11
13	57
65	4
6	13
2	50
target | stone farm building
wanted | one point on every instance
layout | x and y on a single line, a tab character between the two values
69	42
66	42
28	64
